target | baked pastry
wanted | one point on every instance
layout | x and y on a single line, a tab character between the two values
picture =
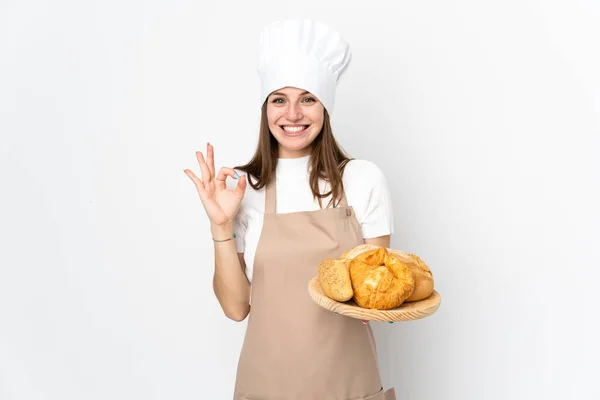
334	279
380	280
421	273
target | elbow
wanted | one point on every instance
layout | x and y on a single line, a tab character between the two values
236	318
238	315
236	309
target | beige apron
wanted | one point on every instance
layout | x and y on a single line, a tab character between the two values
294	349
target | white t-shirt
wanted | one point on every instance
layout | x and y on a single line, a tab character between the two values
366	191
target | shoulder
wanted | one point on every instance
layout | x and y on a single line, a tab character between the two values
362	171
368	193
364	182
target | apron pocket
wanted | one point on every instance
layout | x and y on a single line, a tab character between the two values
390	394
377	396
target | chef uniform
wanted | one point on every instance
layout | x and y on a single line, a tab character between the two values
293	348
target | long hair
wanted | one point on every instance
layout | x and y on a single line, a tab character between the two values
327	161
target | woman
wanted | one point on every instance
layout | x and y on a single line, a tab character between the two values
308	202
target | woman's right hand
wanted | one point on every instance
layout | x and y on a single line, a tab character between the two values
221	204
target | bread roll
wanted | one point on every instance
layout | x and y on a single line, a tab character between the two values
380	280
423	280
361	248
421	273
334	279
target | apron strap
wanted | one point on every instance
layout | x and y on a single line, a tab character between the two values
271	197
343	201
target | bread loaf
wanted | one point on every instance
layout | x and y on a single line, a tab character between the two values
334	279
421	273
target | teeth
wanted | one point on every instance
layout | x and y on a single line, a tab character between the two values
293	128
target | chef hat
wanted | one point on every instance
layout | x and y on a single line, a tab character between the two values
305	54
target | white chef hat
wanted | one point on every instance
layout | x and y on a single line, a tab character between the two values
305	54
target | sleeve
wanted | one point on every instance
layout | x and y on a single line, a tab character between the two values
378	218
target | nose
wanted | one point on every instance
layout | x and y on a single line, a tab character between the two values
294	112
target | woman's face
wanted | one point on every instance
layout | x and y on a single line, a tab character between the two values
295	119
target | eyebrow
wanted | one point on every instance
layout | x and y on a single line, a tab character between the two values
283	94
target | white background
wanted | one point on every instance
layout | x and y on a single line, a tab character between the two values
484	116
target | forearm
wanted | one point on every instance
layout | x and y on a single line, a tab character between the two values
229	281
381	241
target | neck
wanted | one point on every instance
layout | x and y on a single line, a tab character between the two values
285	153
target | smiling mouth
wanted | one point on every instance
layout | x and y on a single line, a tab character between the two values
294	130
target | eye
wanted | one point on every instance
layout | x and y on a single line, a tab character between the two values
309	99
277	100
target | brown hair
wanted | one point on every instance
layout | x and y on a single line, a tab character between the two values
327	160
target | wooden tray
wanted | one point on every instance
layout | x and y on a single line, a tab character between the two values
406	312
